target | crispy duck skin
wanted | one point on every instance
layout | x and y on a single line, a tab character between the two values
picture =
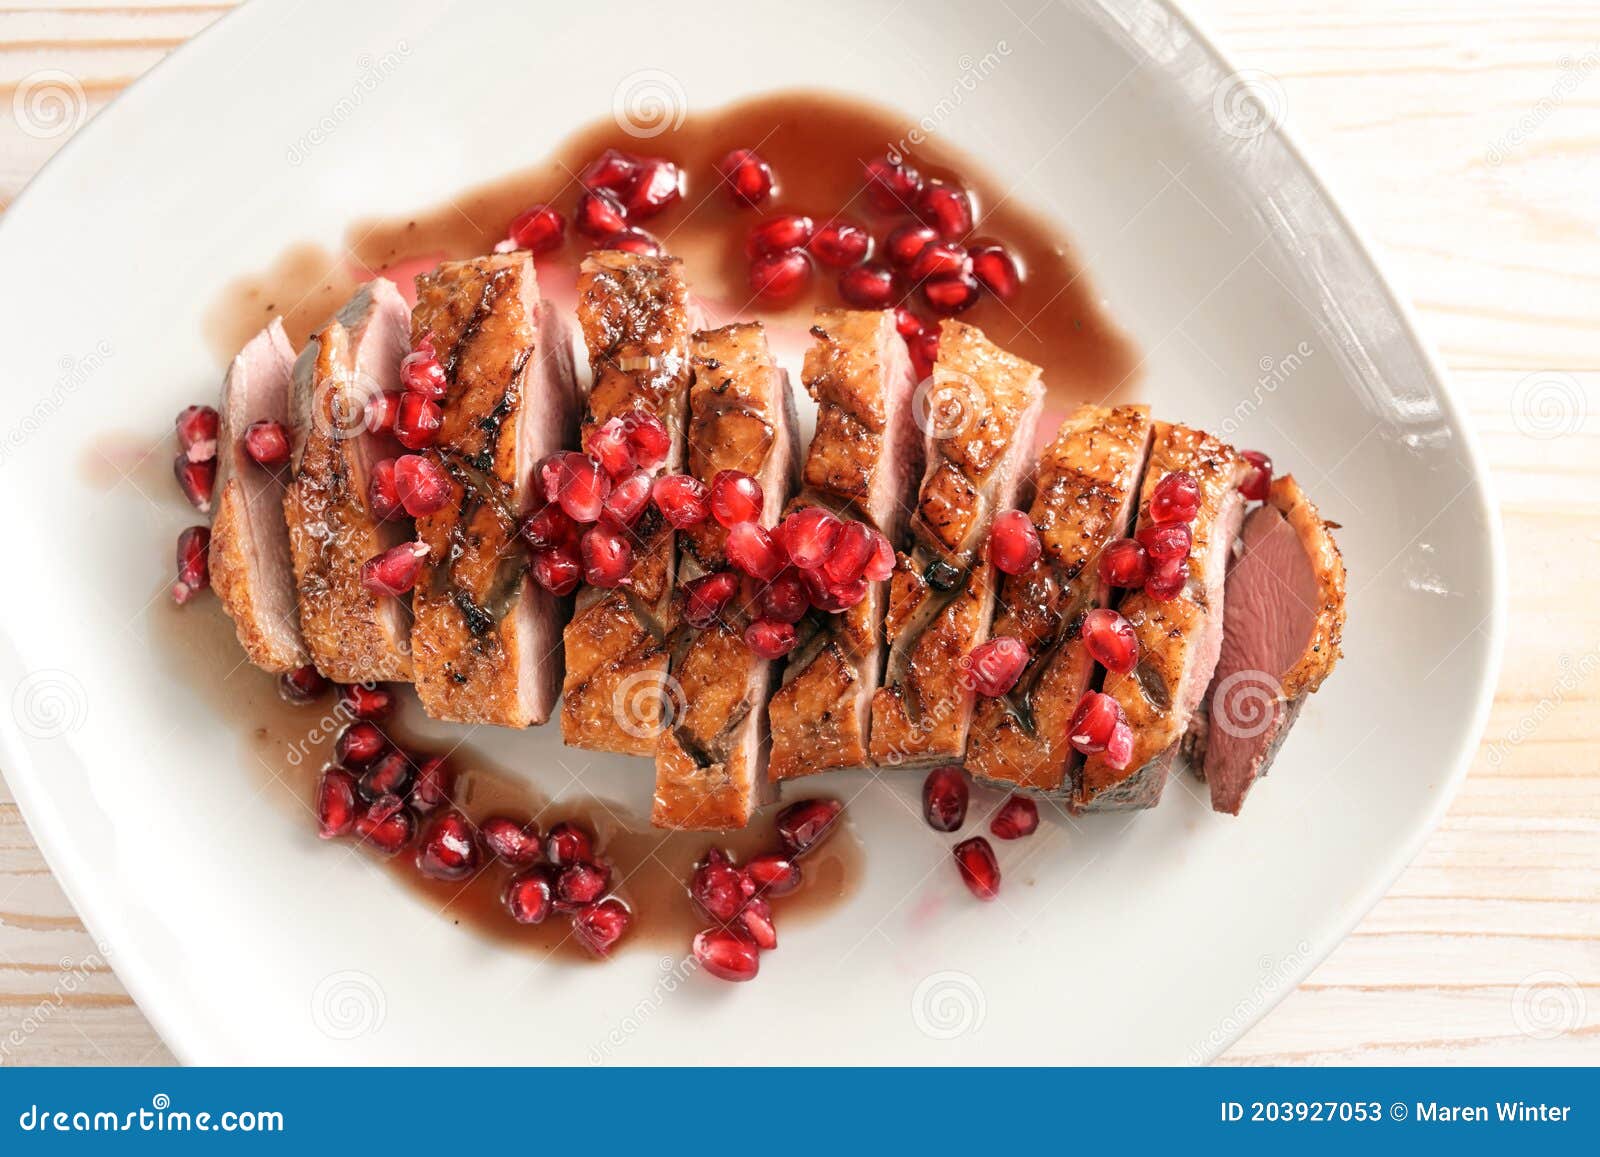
637	319
353	635
1180	639
486	641
1085	495
863	457
711	765
251	568
984	410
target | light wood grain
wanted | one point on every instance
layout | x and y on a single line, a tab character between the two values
1465	136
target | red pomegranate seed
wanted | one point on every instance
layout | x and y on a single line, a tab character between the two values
778	277
948	208
449	850
612	169
852	550
773	874
1123	563
395	571
832	597
540	229
374	701
1090	728
422	373
360	744
769	639
808	535
996	270
599	214
716	888
435	782
628	498
892	185
997	665
513	843
705	597
196	427
750	548
383	409
582	488
550	528
607	555
726	956
735	497
635	241
1119	748
940	259
881	565
336	803
649	438
905	242
567	844
1013	542
581	884
1165	541
805	825
557	570
196	480
907	323
548	473
784	599
417	421
267	443
779	234
924	352
599	926
387	824
422	484
392	774
682	499
1176	498
869	286
746	176
609	445
948	296
1017	817
302	685
1167	579
944	798
980	872
841	244
656	184
383	496
194	563
756	920
528	897
1258	482
1110	639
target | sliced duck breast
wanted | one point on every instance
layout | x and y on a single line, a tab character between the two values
486	641
354	636
1086	493
637	318
1180	638
1285	600
711	765
863	458
250	563
981	409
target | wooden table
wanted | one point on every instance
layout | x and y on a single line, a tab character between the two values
1465	136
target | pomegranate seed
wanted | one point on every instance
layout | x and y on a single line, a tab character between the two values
808	536
613	169
582	488
948	208
1258	482
750	548
372	701
881	565
841	244
360	744
1092	722
395	571
705	597
777	277
784	599
448	850
267	443
777	235
550	528
770	639
336	803
383	495
1110	639
735	497
832	597
869	286
196	427
635	241
528	897
422	373
924	352
507	840
1123	563
892	185
302	685
756	920
422	484
997	665
557	570
648	436
383	408
1167	579
599	214
726	955
581	884
944	798
805	825
996	270
607	556
1017	817
905	242
773	874
568	844
907	323
1013	542
435	781
392	774
715	888
628	498
1166	541
940	259
852	550
1119	748
548	472
387	824
682	499
599	926
980	872
194	563
746	176
948	296
656	184
417	421
609	445
196	480
540	229
1176	498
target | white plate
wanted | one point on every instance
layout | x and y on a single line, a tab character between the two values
1159	939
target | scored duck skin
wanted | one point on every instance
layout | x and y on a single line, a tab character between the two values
1281	635
863	458
486	638
354	636
637	319
711	765
250	564
1086	493
1179	639
984	409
